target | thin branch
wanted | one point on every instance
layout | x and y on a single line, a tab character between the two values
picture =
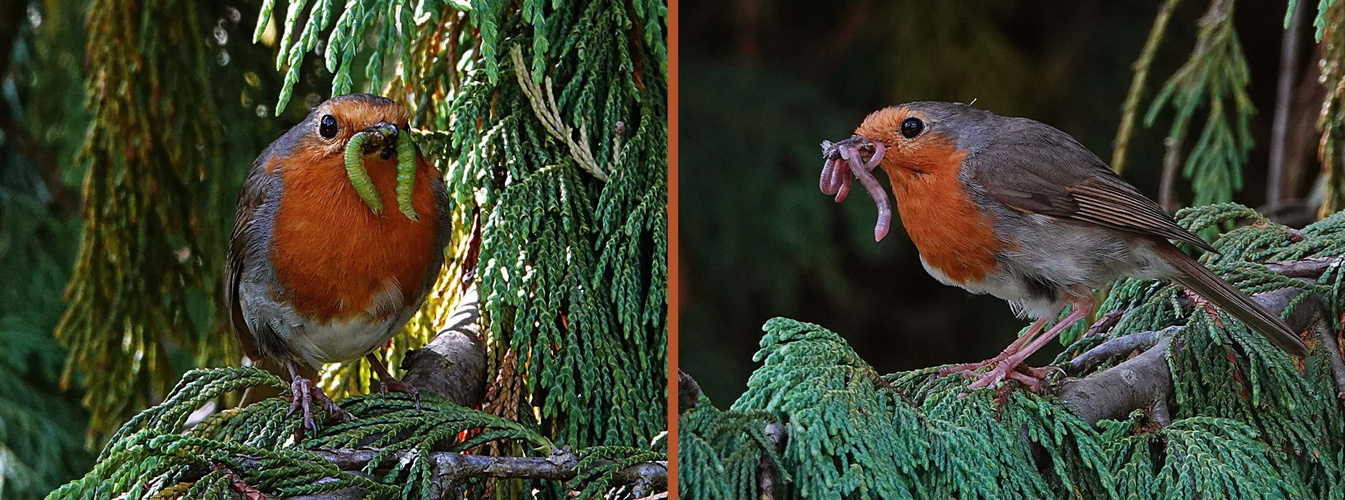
1171	158
1306	268
1284	100
1132	103
1104	324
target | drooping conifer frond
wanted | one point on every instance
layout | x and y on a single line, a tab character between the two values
151	207
1215	78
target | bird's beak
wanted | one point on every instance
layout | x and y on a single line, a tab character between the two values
384	140
864	146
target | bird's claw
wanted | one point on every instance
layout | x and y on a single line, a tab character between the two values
304	392
394	385
1006	368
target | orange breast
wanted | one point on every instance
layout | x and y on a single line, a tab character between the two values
333	255
952	234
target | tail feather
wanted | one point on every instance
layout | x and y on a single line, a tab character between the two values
1210	286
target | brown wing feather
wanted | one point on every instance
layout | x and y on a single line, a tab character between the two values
1055	175
249	199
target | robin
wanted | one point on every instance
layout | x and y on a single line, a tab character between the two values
314	275
1018	209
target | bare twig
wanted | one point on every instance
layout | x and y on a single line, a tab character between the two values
1104	324
1284	100
1171	158
1300	155
546	109
1132	102
1306	268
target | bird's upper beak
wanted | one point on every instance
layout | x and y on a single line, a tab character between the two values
384	140
865	147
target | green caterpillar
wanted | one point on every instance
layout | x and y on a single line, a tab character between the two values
406	173
359	177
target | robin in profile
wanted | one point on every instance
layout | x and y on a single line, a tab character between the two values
314	275
1018	209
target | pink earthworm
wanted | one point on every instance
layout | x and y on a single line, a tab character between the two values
843	162
841	180
865	176
828	171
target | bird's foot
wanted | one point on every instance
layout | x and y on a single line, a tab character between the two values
389	384
304	393
1011	368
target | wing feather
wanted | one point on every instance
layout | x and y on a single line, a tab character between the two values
250	198
1054	175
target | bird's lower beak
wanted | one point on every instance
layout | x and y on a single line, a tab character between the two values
384	140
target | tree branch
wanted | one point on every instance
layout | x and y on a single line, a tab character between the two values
1146	380
450	468
1115	348
453	365
1132	102
1333	350
767	468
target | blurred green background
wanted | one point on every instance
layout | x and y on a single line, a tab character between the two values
763	82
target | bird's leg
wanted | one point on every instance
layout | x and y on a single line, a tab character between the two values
304	392
386	382
1008	367
1012	349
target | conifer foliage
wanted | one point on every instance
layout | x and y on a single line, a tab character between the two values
1242	419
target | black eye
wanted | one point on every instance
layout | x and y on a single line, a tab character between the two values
328	126
912	127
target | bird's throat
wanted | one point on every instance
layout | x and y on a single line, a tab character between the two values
953	234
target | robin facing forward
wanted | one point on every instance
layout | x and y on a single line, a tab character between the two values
1020	210
314	276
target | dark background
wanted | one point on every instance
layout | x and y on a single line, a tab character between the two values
763	82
